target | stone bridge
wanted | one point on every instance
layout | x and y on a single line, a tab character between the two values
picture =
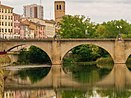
56	49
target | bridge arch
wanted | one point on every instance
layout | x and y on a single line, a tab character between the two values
127	50
107	47
128	53
43	46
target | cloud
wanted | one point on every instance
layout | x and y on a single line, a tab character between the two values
97	10
101	1
100	12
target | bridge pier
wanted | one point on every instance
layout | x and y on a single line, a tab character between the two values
119	52
56	76
120	76
56	64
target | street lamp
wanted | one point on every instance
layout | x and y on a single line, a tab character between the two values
119	33
86	31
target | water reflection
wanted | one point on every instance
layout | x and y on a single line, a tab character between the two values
29	94
92	82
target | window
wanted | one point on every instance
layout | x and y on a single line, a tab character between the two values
2	16
5	17
5	23
57	7
9	17
8	30
2	30
2	23
5	30
5	10
8	11
8	23
60	7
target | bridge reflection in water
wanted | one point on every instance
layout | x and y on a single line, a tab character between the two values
57	81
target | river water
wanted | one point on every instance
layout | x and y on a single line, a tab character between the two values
81	81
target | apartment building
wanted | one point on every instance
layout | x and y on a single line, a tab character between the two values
6	21
34	11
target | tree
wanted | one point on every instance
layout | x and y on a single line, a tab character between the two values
109	29
36	55
76	27
101	31
23	57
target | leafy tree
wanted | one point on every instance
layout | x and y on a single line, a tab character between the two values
111	29
76	27
23	57
101	31
36	55
33	55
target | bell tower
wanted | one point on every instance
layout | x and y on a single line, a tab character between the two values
59	10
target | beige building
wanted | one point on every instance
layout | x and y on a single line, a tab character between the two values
49	26
59	10
6	21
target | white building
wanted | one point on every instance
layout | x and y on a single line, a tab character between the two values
6	21
34	11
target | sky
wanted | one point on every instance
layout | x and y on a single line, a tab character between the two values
98	10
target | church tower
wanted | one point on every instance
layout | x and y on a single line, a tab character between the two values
59	10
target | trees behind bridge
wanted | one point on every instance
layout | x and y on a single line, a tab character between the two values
33	55
81	27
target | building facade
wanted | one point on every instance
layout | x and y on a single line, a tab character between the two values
34	11
16	25
49	29
6	21
59	10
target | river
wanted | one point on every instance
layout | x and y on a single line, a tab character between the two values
87	81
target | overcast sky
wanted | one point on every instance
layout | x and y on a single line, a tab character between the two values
97	10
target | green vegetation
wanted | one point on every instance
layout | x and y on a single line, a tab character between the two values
34	74
81	27
74	94
108	93
76	27
33	56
